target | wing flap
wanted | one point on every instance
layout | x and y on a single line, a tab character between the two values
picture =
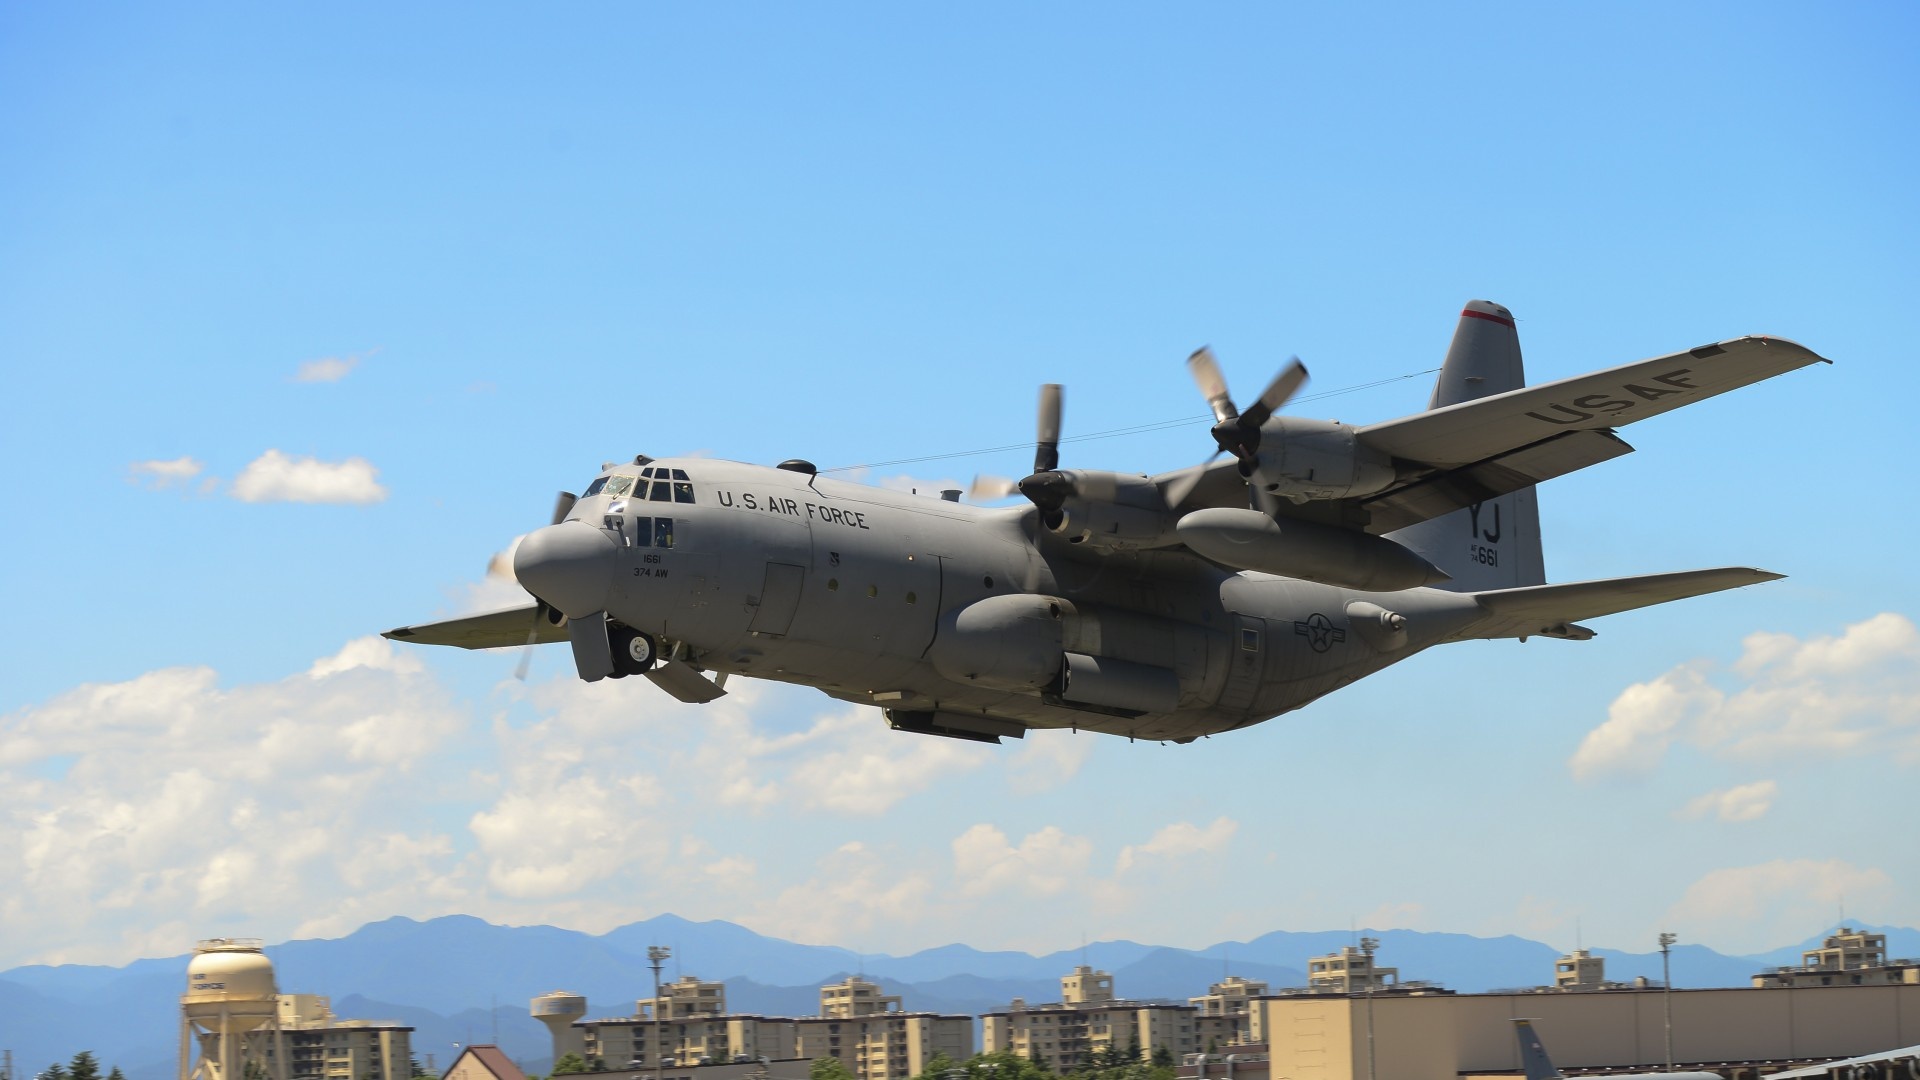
491	630
1487	427
1543	609
1443	493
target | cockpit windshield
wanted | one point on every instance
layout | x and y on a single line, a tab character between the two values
610	485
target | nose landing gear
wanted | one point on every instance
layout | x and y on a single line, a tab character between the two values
634	653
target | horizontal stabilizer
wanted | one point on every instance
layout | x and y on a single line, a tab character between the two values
493	630
1549	609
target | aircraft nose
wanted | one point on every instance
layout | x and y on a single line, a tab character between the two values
569	565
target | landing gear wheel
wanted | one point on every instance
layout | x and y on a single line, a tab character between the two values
633	651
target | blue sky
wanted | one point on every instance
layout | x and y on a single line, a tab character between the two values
505	245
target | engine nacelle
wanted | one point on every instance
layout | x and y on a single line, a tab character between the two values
1004	642
1303	459
1114	511
1349	558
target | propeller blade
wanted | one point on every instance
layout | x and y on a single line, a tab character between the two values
989	488
1213	385
563	506
1183	483
592	647
1046	451
1283	387
526	651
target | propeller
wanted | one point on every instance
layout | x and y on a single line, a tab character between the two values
1234	432
1047	488
562	506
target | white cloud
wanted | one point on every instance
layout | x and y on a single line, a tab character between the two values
1048	758
1642	722
853	890
1046	863
1855	693
277	477
161	475
869	768
1747	802
1178	841
326	369
186	804
1751	908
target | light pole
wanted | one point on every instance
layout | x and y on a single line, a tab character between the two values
1666	993
656	955
1367	946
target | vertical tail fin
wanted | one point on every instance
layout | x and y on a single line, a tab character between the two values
1494	544
1533	1056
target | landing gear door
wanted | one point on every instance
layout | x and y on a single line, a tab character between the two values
1246	662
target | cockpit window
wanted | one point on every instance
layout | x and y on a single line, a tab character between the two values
619	485
594	488
682	491
662	491
679	474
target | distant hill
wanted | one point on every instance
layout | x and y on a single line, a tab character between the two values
459	979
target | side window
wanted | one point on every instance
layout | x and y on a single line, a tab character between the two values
594	488
663	532
682	491
642	532
662	491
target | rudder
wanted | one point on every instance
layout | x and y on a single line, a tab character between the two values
1494	544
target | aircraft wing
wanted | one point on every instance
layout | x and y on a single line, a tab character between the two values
493	630
1488	427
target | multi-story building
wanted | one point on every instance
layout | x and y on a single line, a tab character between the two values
856	997
688	1024
871	1034
321	1046
1580	970
1089	1022
1849	958
1349	971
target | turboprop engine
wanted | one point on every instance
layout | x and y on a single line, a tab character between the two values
1300	459
1250	540
1105	509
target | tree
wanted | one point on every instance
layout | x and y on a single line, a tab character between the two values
253	1070
569	1064
116	1074
829	1068
84	1066
1162	1057
55	1071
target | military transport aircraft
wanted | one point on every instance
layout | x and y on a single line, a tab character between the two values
1156	607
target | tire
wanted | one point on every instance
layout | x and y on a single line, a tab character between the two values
633	652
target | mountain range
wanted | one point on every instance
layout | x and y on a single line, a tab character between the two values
458	979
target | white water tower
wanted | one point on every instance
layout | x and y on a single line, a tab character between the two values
232	1011
558	1009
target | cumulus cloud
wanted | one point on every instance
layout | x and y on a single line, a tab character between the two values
1750	908
1178	841
1047	759
1044	863
1851	693
326	369
161	475
1747	802
278	477
185	802
865	769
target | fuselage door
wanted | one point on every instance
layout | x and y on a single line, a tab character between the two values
779	599
1247	662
